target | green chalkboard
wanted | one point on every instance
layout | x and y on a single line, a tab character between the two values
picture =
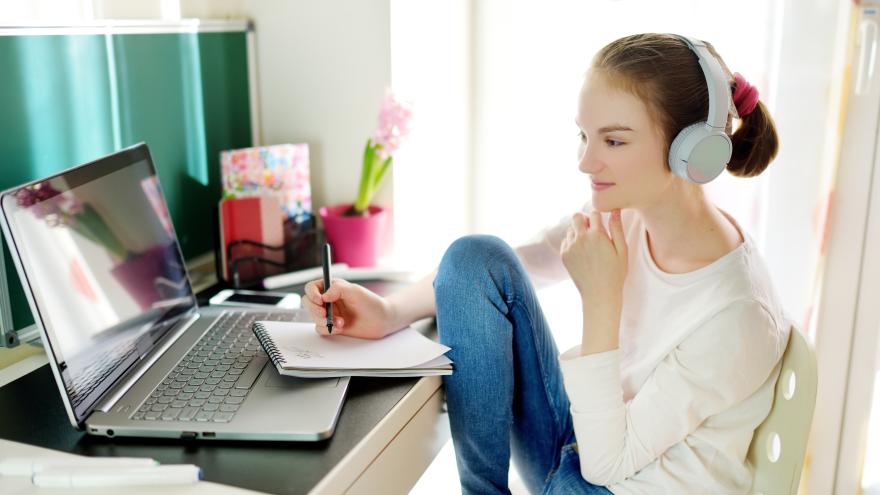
68	97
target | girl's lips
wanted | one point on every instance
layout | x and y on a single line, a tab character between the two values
599	186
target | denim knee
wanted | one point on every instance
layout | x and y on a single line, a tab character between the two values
476	254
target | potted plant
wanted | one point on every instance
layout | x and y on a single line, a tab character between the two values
354	229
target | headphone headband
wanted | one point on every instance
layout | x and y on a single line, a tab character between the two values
700	151
719	92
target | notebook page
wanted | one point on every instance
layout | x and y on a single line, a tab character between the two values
302	347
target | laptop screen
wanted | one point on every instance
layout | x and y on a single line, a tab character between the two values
102	268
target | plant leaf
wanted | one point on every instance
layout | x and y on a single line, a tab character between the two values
364	194
381	172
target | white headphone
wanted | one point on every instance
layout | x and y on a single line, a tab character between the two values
700	151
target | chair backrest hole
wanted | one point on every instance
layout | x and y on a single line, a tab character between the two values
789	383
774	447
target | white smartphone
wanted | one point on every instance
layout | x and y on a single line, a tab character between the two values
255	299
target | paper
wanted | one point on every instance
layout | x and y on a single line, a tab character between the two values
295	346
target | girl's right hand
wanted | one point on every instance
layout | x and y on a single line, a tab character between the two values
357	311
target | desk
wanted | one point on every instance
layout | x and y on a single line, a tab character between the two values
388	433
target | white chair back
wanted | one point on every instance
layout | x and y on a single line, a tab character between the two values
779	443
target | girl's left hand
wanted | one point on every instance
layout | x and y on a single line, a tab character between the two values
596	261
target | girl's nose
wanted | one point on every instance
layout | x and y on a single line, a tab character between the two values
588	162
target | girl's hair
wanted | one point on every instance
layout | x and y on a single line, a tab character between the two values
665	73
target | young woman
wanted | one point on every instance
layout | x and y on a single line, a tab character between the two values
682	331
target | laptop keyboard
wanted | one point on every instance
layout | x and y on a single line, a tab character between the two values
213	379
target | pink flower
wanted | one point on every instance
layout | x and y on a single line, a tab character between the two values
394	125
393	128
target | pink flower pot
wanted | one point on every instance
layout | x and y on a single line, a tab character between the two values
355	240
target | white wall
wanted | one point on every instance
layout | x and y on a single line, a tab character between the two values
13	12
805	103
322	68
430	67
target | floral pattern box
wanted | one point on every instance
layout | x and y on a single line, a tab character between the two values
280	170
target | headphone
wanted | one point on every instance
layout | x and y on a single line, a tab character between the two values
700	151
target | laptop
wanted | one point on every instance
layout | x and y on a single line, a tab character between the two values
132	353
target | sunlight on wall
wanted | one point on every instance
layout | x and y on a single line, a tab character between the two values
531	58
502	158
871	477
429	54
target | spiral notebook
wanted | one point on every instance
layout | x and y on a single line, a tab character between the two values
297	350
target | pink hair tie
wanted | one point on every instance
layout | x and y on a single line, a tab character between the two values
745	96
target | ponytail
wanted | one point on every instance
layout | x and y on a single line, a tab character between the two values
755	143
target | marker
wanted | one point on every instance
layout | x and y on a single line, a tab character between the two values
28	466
298	277
178	474
327	306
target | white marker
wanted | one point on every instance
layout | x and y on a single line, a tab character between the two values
298	277
171	474
28	466
340	270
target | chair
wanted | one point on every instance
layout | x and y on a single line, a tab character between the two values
779	443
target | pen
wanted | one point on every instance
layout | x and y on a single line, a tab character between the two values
28	466
327	306
158	475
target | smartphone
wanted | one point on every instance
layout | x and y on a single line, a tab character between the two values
255	299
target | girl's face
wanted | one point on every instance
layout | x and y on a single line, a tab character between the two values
619	145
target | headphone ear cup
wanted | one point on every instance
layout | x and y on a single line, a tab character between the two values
699	153
678	155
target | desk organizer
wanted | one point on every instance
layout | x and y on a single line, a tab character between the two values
249	262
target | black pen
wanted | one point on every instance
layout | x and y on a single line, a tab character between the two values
327	306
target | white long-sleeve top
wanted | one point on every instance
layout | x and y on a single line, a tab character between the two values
674	408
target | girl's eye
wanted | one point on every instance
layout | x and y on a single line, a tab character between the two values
582	136
613	143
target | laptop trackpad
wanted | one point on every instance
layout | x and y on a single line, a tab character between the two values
276	380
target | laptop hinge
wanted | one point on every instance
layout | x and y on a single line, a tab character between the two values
113	395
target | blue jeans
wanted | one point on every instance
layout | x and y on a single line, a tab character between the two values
506	396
